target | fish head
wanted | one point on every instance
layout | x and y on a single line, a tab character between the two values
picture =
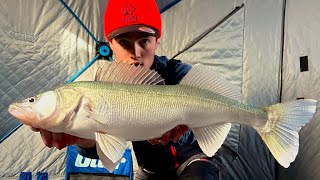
33	110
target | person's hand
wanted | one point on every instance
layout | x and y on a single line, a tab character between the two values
173	135
62	140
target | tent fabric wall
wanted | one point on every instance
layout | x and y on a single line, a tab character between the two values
262	51
24	151
42	45
302	27
197	21
188	19
222	49
260	84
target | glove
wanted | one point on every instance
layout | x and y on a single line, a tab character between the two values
62	140
172	135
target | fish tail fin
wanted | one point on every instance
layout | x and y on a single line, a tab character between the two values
281	132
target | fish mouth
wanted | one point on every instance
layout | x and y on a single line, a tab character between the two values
24	114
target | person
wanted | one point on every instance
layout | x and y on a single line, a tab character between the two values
133	29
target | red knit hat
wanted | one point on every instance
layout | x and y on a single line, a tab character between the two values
122	16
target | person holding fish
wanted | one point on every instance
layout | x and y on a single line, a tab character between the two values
175	115
133	29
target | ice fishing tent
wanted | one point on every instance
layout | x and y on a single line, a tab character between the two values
269	49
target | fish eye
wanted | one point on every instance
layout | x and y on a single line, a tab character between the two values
31	100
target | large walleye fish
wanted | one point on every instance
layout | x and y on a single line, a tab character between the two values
124	104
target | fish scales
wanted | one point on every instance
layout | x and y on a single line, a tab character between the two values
139	103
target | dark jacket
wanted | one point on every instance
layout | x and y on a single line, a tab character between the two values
161	158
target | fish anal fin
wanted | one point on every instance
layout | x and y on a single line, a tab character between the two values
211	138
205	77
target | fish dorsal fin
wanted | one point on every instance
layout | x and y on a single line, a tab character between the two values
127	73
113	147
204	77
211	138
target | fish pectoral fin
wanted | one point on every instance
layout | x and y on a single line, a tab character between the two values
97	117
211	138
110	149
